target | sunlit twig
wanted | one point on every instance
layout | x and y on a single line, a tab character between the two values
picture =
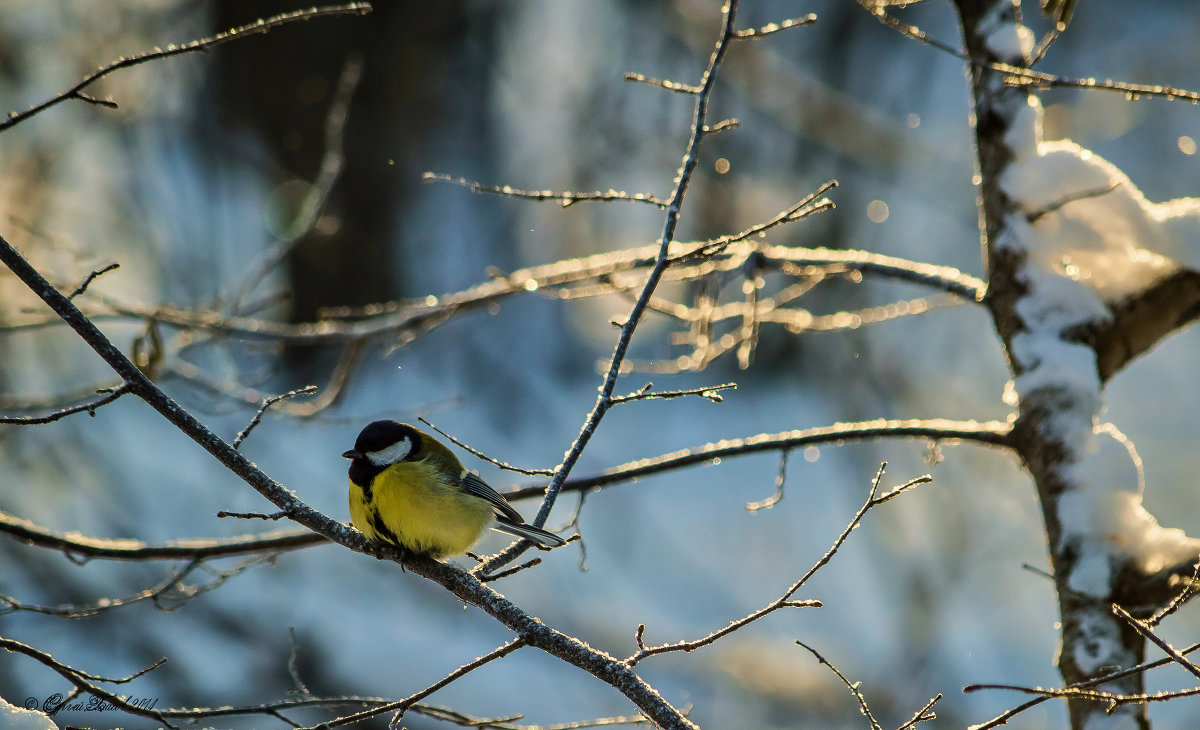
260	26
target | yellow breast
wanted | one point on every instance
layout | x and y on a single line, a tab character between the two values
410	504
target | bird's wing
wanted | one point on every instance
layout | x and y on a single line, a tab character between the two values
473	485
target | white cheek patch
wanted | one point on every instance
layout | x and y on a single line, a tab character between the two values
392	454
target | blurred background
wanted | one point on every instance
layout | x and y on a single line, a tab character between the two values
204	169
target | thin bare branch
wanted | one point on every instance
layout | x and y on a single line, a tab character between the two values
1191	586
1033	216
82	547
1078	692
328	394
910	31
852	686
92	277
330	169
332	391
509	723
576	522
89	683
1148	634
258	27
262	409
12	605
807	206
598	722
111	394
293	665
664	84
780	478
770	28
399	319
401	706
923	714
1003	718
49	661
993	433
479	454
892	494
275	709
1027	77
489	577
712	393
785	600
566	199
32	404
273	517
989	433
662	260
722	126
708	345
167	596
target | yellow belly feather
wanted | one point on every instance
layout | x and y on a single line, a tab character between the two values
424	512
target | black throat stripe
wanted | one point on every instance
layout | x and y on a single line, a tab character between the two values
381	529
362	472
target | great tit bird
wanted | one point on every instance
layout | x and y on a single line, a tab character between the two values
409	490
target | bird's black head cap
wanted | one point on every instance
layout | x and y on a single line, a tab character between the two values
379	435
379	445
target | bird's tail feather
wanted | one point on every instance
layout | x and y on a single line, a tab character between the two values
529	532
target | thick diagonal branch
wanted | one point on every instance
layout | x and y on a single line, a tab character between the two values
527	627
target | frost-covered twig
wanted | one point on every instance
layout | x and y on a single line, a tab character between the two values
988	433
565	199
82	548
89	683
664	84
780	480
771	28
396	319
1023	76
922	715
480	455
1028	78
260	26
711	392
401	706
785	600
1083	691
110	395
262	409
166	596
661	261
852	686
1148	633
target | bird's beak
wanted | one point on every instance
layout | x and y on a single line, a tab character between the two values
351	454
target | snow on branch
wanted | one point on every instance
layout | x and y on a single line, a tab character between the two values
1084	274
1089	223
1086	253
